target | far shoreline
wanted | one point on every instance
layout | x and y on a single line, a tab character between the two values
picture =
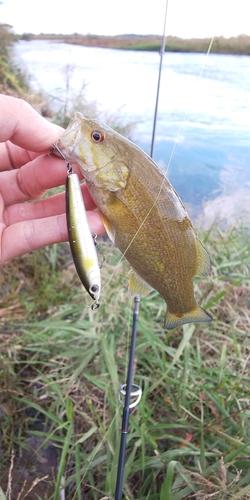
239	45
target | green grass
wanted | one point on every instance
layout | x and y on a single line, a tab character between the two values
13	79
62	364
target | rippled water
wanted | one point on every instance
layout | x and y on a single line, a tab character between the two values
204	114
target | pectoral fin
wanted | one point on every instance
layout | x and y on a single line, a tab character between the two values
109	228
137	286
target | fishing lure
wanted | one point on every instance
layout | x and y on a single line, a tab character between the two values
82	242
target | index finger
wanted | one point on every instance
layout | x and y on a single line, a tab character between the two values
22	125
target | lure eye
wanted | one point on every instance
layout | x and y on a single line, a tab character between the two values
97	136
94	289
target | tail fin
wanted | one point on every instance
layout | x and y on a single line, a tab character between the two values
172	320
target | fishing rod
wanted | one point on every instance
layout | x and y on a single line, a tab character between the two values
126	390
130	390
162	51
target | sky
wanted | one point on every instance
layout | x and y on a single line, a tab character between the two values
186	18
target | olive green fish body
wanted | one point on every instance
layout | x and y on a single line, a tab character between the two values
143	215
80	238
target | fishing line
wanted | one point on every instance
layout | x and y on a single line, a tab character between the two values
159	82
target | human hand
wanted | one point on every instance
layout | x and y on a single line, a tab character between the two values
26	173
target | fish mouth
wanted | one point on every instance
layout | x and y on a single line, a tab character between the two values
71	136
69	145
65	152
70	158
69	139
55	150
62	145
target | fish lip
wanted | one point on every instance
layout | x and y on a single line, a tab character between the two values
55	150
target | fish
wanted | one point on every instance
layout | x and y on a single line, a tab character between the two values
81	240
143	216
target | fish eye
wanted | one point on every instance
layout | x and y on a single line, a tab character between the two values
97	136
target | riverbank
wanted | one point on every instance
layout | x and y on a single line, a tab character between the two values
235	45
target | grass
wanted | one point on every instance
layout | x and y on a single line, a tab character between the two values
12	79
62	364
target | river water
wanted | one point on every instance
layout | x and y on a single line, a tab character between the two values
203	126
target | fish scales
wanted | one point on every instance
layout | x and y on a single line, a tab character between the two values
143	215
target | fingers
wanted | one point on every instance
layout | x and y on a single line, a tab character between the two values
54	205
12	156
24	126
27	236
24	136
33	179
